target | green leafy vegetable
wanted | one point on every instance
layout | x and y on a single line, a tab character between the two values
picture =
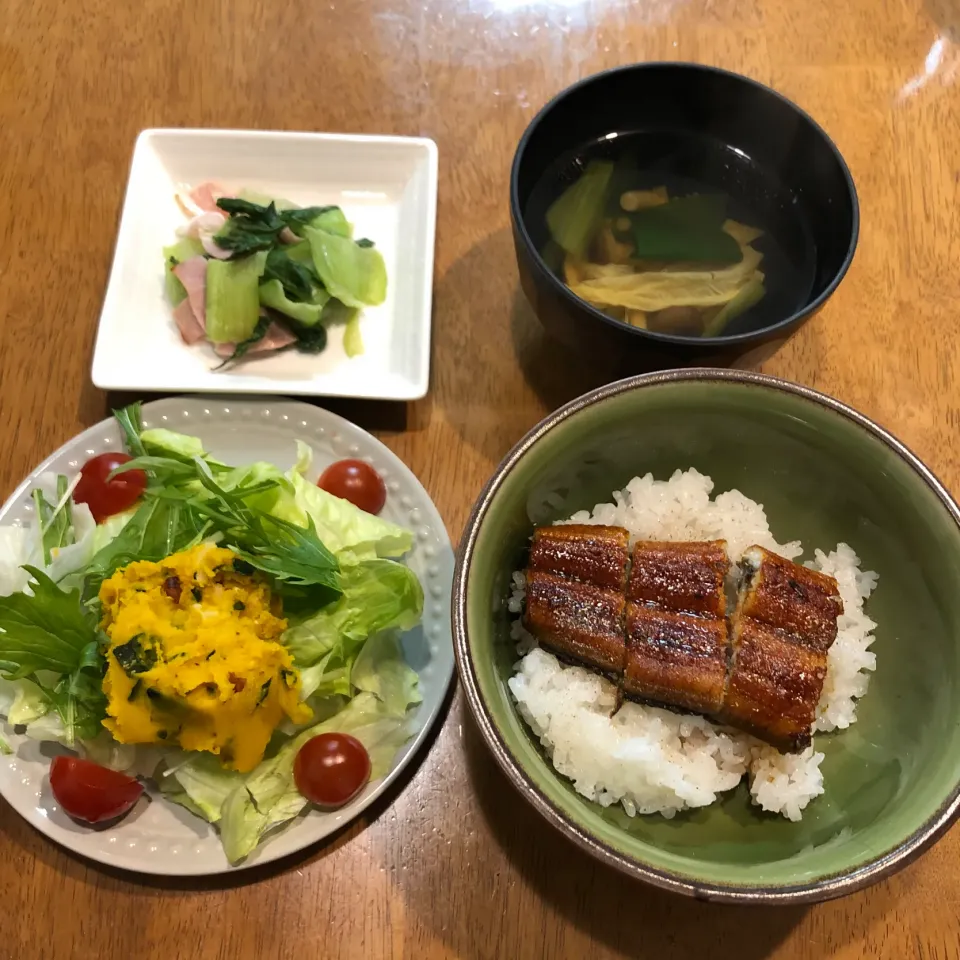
350	533
158	528
309	339
253	227
381	670
78	697
752	293
159	442
184	502
329	676
131	423
48	630
355	275
575	215
55	520
233	300
377	595
326	218
288	552
205	782
333	220
29	703
269	796
297	276
106	751
686	229
352	338
272	295
250	227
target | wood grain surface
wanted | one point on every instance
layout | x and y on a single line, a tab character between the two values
455	864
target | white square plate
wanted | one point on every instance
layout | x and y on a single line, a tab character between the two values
387	187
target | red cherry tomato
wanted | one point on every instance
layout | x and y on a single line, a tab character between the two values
106	497
357	482
90	792
331	769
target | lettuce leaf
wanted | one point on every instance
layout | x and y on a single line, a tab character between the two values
350	533
106	751
377	595
70	564
8	694
19	546
381	670
329	676
29	703
159	442
71	552
205	781
269	795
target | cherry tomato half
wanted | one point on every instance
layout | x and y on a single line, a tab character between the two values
331	769
90	792
357	482
106	497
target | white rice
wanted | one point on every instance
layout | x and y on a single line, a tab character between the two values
655	761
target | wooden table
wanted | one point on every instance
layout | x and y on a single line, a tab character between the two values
456	864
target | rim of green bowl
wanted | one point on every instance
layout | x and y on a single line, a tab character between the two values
823	888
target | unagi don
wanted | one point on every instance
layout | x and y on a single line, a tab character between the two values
656	622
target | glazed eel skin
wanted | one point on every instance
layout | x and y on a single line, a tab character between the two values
655	622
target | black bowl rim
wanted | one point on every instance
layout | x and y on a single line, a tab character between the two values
750	336
826	887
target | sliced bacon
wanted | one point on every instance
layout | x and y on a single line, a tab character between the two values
206	195
190	331
192	274
276	338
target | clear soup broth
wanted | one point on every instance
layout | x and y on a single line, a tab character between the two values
674	232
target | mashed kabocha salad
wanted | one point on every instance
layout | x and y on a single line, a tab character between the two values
224	638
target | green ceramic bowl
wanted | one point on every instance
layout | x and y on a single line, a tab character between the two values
825	474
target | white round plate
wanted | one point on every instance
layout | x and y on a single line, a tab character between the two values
161	837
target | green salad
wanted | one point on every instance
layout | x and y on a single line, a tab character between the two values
194	642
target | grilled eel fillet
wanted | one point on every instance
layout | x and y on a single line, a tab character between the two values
782	628
660	629
676	628
575	594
